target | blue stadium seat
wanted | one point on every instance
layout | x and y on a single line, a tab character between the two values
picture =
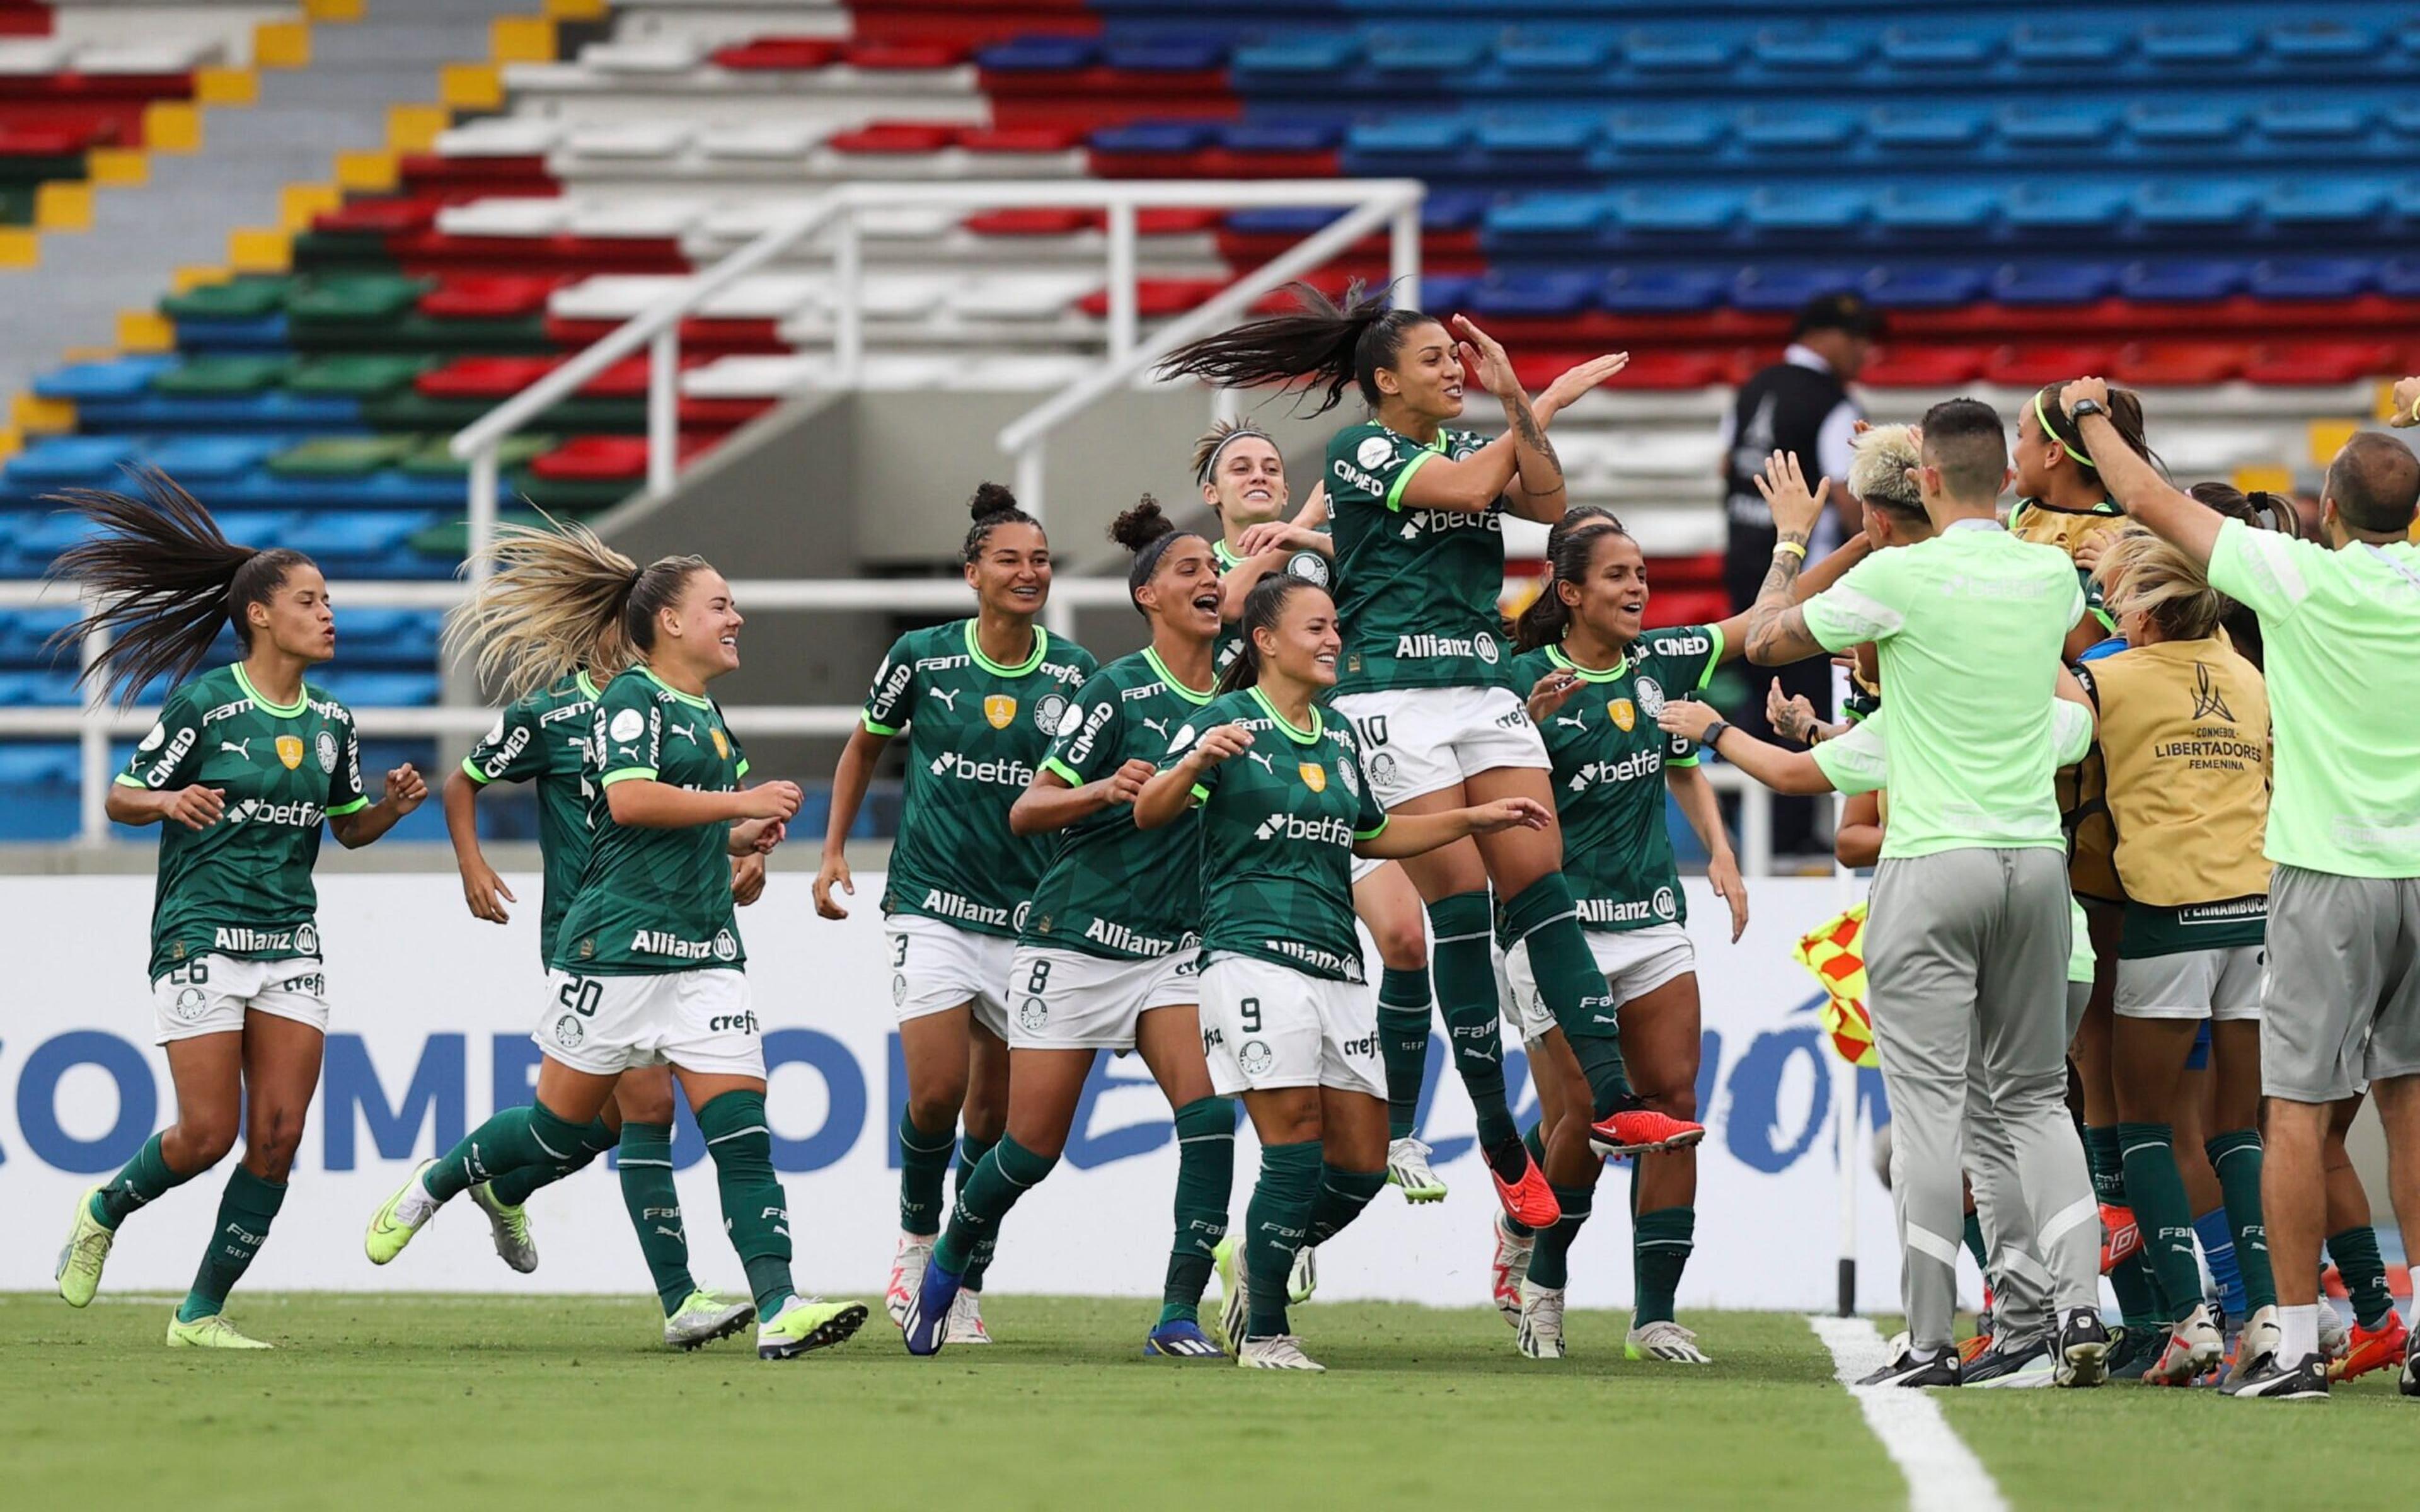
1545	58
197	459
1681	53
1964	49
1922	208
1663	290
1425	53
2311	120
1536	147
26	632
2207	43
1291	59
387	636
2061	208
38	764
1278	136
2322	204
1796	51
2183	280
2065	47
1153	138
1917	127
1039	54
367	543
260	527
1547	219
72	462
1688	211
1776	290
48	689
122	377
1796	129
1411	147
2056	125
1446	291
1168	54
2399	278
364	690
1522	295
2188	123
2186	205
39	791
1924	288
2311	278
1813	211
2322	41
1681	131
2054	282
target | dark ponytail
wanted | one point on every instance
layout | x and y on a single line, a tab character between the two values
1148	532
2262	511
992	507
164	579
1262	608
1569	545
2125	412
1322	343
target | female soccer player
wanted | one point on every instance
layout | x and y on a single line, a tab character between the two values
2184	734
1419	562
980	698
1598	677
1109	957
1285	1022
541	737
242	767
648	962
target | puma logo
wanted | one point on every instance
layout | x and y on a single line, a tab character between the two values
947	699
1577	721
1269	764
684	732
1157	727
238	746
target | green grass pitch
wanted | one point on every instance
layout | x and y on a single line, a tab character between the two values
451	1404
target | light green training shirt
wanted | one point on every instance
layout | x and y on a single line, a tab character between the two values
2340	633
1969	626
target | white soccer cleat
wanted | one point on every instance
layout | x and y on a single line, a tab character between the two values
1508	1270
1541	1335
508	1226
966	1324
705	1317
2336	1336
1408	1169
1669	1341
1302	1277
2264	1335
908	1264
82	1256
2194	1346
1283	1352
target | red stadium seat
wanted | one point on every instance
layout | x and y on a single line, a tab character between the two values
2176	363
1021	138
1156	299
903	56
376	217
500	378
897	137
488	297
780	53
2321	361
1038	222
1925	367
2029	366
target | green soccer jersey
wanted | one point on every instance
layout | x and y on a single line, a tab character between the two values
1278	822
1111	890
1608	772
544	738
241	887
1311	567
653	902
976	733
1419	588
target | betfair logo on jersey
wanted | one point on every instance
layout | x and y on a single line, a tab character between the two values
999	709
1637	765
1331	830
1315	776
253	811
1418	647
664	942
1015	774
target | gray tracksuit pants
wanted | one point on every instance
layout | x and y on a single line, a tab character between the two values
1967	964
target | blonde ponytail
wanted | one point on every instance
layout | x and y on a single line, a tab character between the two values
555	601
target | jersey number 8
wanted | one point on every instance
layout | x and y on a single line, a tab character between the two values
1038	979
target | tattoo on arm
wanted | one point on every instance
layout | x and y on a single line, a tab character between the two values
1533	436
1776	629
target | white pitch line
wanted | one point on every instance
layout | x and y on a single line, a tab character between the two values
1943	1474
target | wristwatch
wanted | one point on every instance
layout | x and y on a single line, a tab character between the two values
2086	406
1714	735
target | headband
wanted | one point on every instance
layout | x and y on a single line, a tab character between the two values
1210	463
1146	562
2041	413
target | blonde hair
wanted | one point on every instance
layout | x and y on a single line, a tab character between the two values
2141	574
557	600
1878	469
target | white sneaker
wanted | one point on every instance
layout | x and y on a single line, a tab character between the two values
908	1264
1302	1277
509	1227
2264	1335
1669	1341
705	1317
1541	1336
966	1319
2194	1346
1283	1352
1408	1169
2336	1338
1509	1268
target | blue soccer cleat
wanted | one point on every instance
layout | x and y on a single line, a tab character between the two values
927	1323
1182	1340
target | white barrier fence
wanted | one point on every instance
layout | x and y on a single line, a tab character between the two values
430	1035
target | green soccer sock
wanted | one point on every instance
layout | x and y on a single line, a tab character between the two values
1341	1196
2157	1195
1274	1226
756	1213
246	1209
1465	992
1542	917
2363	1270
2236	1157
972	1150
1533	1140
142	1179
1660	1248
1404	1018
923	1162
2138	1295
515	1139
1550	1262
513	1188
1206	1177
654	1204
1001	1178
1973	1233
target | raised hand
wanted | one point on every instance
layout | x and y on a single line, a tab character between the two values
1485	358
1553	691
1573	383
1795	508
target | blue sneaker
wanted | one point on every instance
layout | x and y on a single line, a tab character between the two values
1182	1340
927	1323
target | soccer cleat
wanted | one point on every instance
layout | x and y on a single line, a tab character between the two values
2017	1365
1541	1329
2271	1379
1968	1349
2193	1347
808	1323
2135	1350
2410	1383
927	1325
2262	1336
1181	1340
2371	1348
1637	1131
1235	1289
85	1253
908	1264
1283	1352
509	1227
389	1231
702	1317
966	1320
1529	1201
1665	1340
1509	1269
1302	1276
212	1333
1408	1167
2080	1356
2335	1338
1905	1369
2122	1237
